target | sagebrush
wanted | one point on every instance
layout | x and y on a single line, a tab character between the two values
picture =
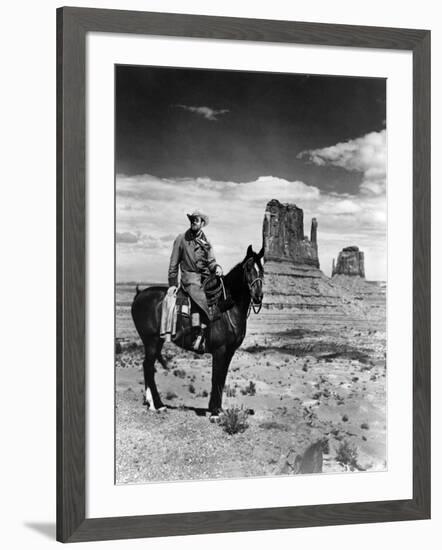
234	420
348	454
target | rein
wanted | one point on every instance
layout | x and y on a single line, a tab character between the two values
214	292
225	298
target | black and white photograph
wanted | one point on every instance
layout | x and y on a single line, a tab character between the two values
250	274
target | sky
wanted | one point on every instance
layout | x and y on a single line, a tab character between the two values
227	142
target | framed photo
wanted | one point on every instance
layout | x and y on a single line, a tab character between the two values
243	274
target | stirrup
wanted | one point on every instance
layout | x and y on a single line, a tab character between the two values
198	341
198	344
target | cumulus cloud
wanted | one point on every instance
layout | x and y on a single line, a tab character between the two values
366	154
236	210
206	112
126	237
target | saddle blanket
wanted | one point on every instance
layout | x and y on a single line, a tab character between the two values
175	304
168	316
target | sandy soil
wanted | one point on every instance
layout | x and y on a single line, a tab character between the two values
317	377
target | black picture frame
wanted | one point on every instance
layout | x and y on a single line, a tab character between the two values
73	24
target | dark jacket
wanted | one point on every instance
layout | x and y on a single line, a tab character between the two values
194	257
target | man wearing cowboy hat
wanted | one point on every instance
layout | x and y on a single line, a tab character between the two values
193	256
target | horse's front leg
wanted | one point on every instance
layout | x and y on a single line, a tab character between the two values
152	396
221	358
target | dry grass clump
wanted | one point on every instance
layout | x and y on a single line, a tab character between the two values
180	373
347	454
234	420
230	392
250	389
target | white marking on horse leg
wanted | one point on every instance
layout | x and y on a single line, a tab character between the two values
149	399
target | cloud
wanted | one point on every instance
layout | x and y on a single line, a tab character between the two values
236	210
366	154
126	237
206	112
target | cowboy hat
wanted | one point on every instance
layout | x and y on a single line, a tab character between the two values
198	213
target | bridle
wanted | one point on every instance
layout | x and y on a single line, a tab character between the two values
252	305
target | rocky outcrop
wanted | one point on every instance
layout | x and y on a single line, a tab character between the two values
283	236
293	279
350	262
292	275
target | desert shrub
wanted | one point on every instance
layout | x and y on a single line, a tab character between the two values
171	395
250	389
234	420
181	373
326	446
364	426
230	392
347	454
204	393
191	388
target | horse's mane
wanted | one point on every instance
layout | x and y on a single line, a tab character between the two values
234	280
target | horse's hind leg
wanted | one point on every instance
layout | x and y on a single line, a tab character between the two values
149	377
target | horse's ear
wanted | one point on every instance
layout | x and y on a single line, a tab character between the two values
261	253
249	251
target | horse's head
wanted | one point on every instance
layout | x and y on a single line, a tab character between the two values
254	274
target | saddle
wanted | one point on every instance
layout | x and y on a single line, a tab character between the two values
213	289
183	331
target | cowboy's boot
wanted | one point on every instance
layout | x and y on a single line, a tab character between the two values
199	341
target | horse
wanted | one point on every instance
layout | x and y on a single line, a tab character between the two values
244	291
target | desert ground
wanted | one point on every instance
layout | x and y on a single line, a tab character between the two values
299	378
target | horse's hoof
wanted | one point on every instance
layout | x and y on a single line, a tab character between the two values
216	416
150	408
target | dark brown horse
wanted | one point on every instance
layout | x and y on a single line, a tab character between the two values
243	286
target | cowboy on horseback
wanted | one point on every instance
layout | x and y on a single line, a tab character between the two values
193	256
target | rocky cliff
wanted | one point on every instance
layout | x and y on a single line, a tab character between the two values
350	262
293	279
283	236
292	275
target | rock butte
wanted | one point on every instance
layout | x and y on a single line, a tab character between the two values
350	262
294	280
